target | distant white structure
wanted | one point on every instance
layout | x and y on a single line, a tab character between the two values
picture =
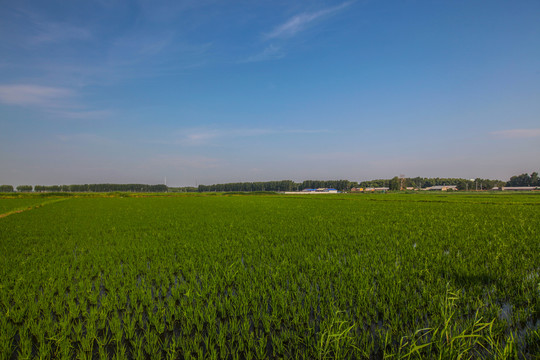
373	189
517	188
441	188
314	191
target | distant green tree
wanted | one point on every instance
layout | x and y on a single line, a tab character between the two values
520	180
183	189
24	188
6	188
394	183
464	185
535	180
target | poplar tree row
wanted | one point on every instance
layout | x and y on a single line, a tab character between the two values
87	188
282	185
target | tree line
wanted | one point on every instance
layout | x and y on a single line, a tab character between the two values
87	188
189	189
524	180
282	185
394	183
397	183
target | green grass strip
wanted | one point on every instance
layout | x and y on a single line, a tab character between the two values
32	207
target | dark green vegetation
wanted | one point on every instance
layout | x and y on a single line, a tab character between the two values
421	183
24	188
283	185
246	277
286	185
6	188
525	180
102	188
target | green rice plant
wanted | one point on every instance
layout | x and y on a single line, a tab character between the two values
104	340
501	349
102	319
235	355
171	349
335	339
278	344
17	313
78	330
223	350
119	352
87	343
137	343
102	351
44	350
158	321
73	309
212	353
448	342
115	325
64	327
199	351
260	348
65	349
153	344
25	344
6	335
129	326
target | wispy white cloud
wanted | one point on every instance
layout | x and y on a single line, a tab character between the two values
37	29
288	29
34	95
299	22
271	52
95	51
133	57
197	137
517	133
57	101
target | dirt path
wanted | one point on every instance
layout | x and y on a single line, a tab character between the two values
17	211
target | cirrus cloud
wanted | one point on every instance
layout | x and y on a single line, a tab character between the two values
27	94
299	22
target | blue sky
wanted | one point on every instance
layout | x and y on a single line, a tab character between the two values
206	92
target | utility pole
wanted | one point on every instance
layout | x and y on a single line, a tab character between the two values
401	181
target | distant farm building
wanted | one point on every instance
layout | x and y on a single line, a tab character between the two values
442	188
315	191
517	188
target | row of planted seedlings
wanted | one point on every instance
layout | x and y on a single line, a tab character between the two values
273	292
289	308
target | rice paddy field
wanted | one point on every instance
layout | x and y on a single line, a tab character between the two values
396	276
